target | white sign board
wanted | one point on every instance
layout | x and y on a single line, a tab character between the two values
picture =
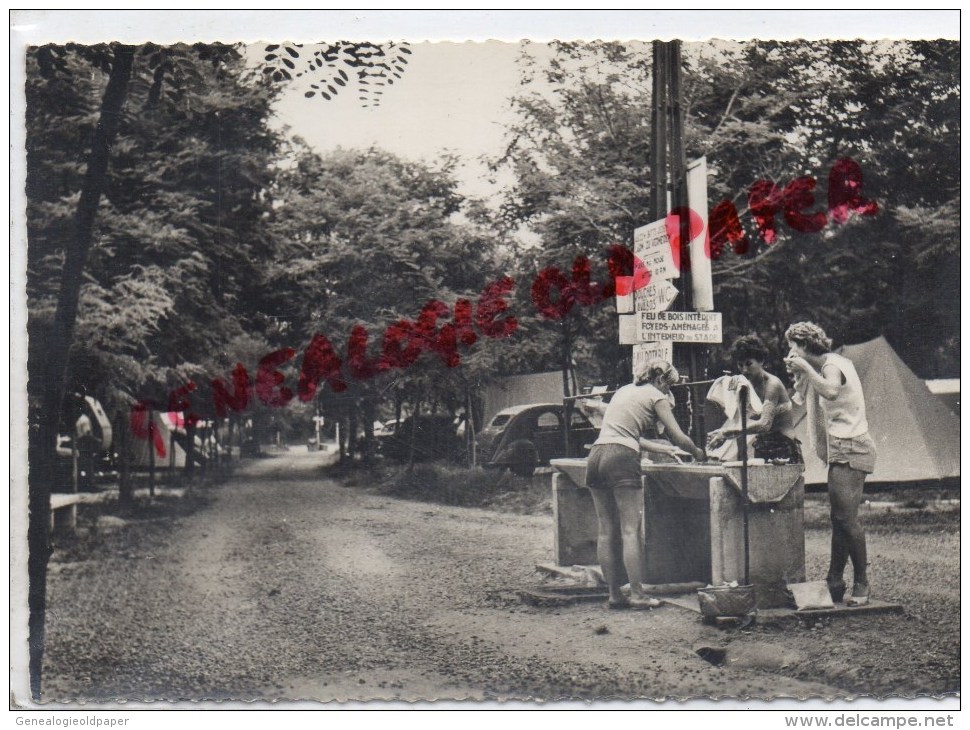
652	247
644	352
657	296
676	326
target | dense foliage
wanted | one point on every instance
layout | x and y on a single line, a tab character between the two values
761	111
173	236
370	246
179	233
217	241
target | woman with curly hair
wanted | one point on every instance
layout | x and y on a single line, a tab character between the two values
614	478
774	427
837	423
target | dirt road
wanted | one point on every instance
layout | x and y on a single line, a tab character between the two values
290	586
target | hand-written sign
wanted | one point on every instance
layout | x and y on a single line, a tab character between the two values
644	352
655	297
651	245
677	326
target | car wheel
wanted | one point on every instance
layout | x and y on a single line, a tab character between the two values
524	458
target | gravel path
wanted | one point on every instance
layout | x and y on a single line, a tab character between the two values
289	586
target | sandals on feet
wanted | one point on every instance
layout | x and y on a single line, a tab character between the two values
860	595
641	604
634	604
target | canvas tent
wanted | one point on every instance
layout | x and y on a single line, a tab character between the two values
166	424
948	391
517	390
917	437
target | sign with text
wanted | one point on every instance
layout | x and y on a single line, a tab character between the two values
652	246
676	326
644	352
657	296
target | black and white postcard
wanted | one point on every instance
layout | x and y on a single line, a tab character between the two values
364	358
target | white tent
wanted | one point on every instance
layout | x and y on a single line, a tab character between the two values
166	425
517	390
948	391
917	437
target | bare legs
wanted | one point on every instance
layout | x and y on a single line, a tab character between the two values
619	543
848	537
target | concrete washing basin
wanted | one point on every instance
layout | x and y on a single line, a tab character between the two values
693	520
766	483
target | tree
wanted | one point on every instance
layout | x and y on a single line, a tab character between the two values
890	107
579	151
759	111
322	67
161	73
373	249
119	66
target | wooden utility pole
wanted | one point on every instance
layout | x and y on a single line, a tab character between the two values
669	173
668	163
658	133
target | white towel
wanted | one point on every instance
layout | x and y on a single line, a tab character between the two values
724	391
815	418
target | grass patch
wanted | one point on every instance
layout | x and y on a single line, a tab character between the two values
880	513
901	492
94	534
450	484
440	483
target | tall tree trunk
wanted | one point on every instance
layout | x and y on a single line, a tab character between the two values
369	408
567	360
217	461
124	467
172	471
151	452
341	435
414	433
189	451
58	349
352	431
470	428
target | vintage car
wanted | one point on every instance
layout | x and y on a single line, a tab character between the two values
432	437
524	437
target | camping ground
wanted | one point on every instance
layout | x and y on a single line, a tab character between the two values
917	437
287	583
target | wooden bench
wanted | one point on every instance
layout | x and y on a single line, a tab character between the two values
64	508
64	512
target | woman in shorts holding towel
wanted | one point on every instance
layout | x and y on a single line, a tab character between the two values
837	424
613	475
